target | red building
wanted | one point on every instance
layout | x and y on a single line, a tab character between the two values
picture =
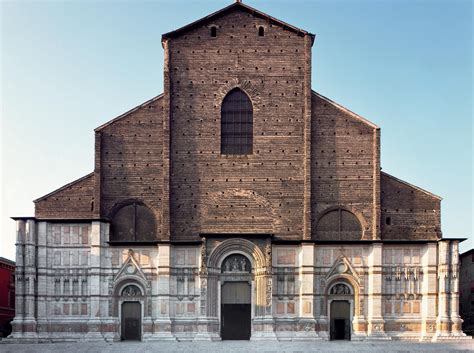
7	295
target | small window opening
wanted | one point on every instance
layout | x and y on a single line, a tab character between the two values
388	221
261	31
213	31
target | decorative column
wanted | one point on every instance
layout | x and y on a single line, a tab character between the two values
17	323
263	320
208	328
29	320
307	324
428	291
161	288
376	322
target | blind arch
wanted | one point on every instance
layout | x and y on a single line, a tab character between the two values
133	222
339	224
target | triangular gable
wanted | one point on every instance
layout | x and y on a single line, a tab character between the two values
121	116
233	7
384	174
76	182
342	266
131	268
345	110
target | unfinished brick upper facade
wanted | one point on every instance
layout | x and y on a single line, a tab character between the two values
311	191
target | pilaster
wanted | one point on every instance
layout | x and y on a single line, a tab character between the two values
161	287
307	320
17	323
29	321
456	321
443	320
428	291
42	280
94	322
376	322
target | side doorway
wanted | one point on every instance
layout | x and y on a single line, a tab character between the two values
131	321
340	321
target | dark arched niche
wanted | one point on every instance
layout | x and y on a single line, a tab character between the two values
133	222
338	224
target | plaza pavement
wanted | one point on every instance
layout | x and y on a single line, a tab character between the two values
239	346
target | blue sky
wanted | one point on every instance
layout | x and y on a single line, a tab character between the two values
69	66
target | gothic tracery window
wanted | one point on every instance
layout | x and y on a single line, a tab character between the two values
133	222
236	123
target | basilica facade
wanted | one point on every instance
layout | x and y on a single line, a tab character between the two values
237	204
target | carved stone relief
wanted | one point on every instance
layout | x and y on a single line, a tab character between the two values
340	288
131	291
236	263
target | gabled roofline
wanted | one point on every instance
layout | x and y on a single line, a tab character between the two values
181	30
344	109
121	116
411	185
64	187
466	253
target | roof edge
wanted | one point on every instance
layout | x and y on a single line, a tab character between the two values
411	185
340	107
64	187
121	116
176	32
466	253
7	261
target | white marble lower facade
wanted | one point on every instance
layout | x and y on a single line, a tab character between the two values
71	284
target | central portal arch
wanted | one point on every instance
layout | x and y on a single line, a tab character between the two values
238	272
236	298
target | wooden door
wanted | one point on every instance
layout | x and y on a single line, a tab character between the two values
236	311
131	321
340	320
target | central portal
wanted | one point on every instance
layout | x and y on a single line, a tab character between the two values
236	298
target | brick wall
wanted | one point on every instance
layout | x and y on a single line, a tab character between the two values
74	201
413	213
309	153
258	193
131	159
343	161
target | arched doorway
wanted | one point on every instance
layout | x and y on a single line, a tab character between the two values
131	309
341	301
236	298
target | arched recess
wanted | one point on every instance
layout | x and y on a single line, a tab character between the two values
118	292
353	285
236	123
340	223
132	221
355	297
237	246
261	282
340	309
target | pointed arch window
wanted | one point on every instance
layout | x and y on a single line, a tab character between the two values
236	123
